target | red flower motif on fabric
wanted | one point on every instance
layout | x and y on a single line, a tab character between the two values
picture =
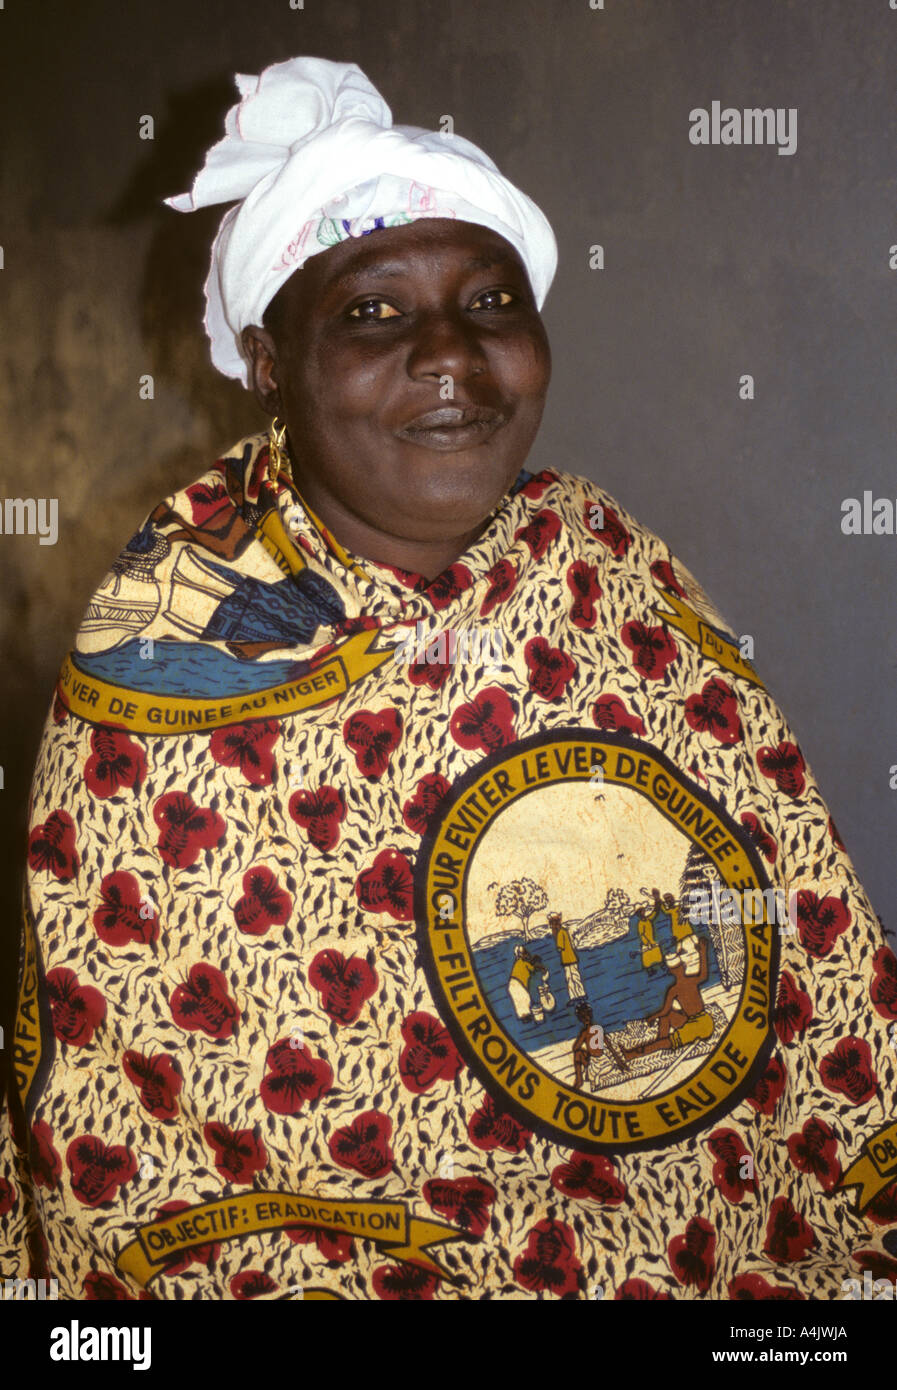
502	583
847	1069
158	1081
46	1164
766	1093
364	1145
663	572
582	581
610	714
449	585
537	484
729	1150
252	1283
77	1010
342	983
487	723
814	1151
432	673
550	669
423	808
883	1208
652	648
292	1077
793	1011
692	1254
613	533
387	886
180	1260
373	738
465	1201
833	831
639	1289
407	578
264	903
118	919
878	1265
203	1003
239	1154
52	846
115	762
98	1171
332	1246
320	814
248	747
185	829
540	532
346	627
491	1128
549	1261
7	1197
590	1177
760	836
746	1287
429	1055
820	921
788	1236
405	1282
785	766
104	1288
208	499
715	711
883	990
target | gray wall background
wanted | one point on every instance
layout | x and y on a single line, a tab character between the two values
719	261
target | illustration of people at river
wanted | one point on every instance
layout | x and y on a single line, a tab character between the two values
615	998
682	1018
660	926
589	1045
569	958
526	971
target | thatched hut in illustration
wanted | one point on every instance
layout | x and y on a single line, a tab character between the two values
696	886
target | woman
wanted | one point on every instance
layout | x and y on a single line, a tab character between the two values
284	808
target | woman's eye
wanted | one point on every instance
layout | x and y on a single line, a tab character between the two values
494	295
360	310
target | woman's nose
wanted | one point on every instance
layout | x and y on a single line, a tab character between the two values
444	345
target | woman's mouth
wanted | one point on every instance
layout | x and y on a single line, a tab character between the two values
452	428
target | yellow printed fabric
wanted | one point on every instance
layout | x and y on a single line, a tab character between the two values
565	947
523	972
295	817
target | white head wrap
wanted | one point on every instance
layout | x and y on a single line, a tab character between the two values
311	152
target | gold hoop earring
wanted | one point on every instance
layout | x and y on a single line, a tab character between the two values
278	453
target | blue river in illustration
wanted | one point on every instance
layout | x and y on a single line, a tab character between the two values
187	668
617	986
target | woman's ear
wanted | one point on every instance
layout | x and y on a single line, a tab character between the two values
260	348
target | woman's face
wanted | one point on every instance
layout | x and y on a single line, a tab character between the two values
379	331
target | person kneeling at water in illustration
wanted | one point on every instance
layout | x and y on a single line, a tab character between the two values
525	969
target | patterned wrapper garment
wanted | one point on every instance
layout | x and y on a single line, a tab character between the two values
386	939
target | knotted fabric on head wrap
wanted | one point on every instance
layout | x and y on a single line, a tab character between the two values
311	152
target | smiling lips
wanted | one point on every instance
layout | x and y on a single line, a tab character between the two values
453	427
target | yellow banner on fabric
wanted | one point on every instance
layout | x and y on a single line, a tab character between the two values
708	641
390	1224
875	1168
28	1046
100	702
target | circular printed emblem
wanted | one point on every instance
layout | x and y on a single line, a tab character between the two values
601	940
